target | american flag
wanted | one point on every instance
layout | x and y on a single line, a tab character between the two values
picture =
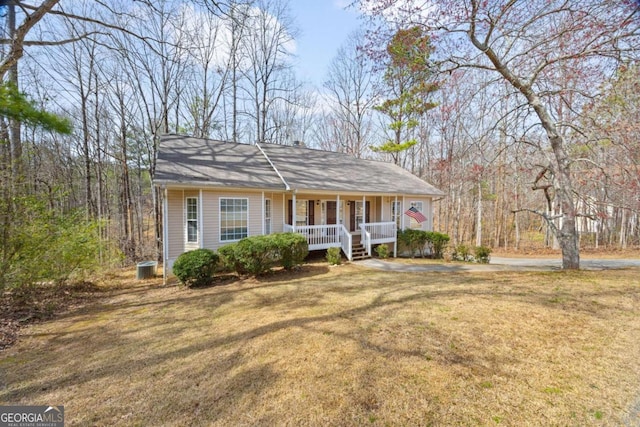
415	214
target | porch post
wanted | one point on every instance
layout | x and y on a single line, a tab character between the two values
263	229
338	219
395	244
402	211
364	209
293	213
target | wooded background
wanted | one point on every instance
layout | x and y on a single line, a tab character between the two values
125	72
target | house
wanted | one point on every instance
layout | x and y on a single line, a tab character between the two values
219	192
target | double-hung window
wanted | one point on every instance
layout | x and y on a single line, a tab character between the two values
396	212
267	216
192	220
302	213
234	219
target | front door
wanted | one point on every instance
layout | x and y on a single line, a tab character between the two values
332	213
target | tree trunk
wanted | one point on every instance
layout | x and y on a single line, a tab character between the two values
479	216
15	141
567	234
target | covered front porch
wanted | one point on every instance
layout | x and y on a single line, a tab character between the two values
336	235
349	222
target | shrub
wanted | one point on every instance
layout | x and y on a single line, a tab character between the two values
334	256
228	260
437	241
482	254
382	251
42	245
258	254
461	252
292	248
412	239
196	268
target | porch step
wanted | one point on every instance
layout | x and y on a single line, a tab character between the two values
358	252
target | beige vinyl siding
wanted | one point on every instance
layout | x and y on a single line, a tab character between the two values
256	212
385	206
210	220
277	212
375	215
427	210
175	223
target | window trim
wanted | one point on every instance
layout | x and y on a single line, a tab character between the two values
220	239
267	216
396	212
195	220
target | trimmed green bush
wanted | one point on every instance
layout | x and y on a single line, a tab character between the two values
259	254
228	261
293	248
334	256
196	268
382	251
419	240
437	242
412	240
482	254
461	252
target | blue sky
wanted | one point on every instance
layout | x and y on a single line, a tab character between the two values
324	26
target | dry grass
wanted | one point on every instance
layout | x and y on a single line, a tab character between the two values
343	346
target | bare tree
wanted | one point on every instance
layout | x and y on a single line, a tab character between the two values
529	45
266	62
351	96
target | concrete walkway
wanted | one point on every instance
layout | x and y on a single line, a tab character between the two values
500	264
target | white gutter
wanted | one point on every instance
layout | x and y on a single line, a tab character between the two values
286	185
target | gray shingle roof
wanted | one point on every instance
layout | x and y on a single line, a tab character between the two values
186	160
309	169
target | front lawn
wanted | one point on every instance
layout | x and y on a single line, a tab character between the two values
342	346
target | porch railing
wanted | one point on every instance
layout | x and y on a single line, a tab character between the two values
346	242
378	232
337	235
318	236
366	238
